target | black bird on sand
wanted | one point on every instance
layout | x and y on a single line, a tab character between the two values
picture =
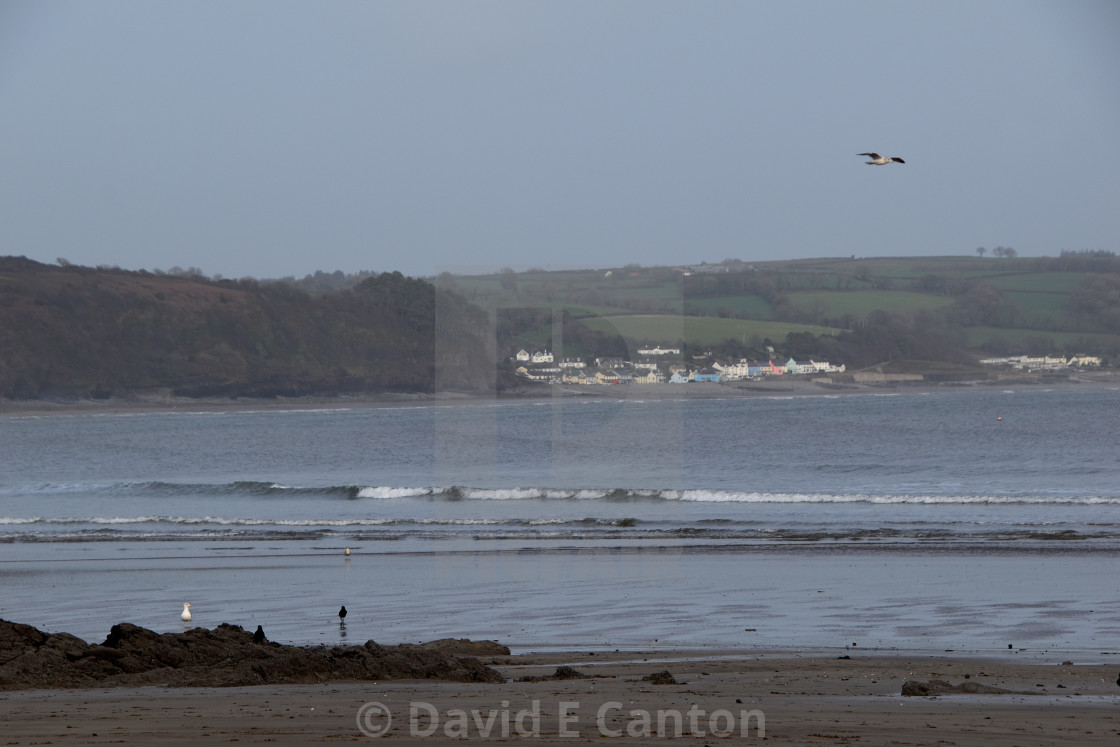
1118	680
342	613
258	637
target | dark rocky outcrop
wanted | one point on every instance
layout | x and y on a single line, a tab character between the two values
914	688
661	678
466	647
561	673
223	657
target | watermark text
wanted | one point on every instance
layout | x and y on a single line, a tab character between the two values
565	719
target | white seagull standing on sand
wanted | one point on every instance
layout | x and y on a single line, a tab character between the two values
186	616
877	160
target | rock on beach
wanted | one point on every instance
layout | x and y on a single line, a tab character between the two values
223	657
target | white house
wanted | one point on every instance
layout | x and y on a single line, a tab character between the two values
733	371
820	367
1043	363
812	366
541	356
549	375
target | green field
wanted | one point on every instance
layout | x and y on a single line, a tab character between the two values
899	268
1045	303
754	307
696	330
706	304
978	336
861	303
1040	282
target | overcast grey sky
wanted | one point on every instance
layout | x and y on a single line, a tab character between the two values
271	138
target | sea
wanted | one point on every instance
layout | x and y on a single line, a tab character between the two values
966	519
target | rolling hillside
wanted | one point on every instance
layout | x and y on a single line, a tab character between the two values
68	331
868	310
79	332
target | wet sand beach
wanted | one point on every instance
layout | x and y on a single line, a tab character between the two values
821	698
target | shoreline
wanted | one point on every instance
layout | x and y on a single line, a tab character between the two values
807	698
158	402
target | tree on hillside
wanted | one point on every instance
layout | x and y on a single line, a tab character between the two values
981	304
981	250
1096	301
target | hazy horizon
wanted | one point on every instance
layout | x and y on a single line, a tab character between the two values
281	138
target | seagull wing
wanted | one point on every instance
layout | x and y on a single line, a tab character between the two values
870	155
896	159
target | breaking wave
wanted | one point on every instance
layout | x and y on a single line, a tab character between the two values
266	489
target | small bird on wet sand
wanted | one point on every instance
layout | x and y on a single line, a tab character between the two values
258	637
186	616
342	613
347	552
877	160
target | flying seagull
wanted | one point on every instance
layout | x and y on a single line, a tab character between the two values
877	160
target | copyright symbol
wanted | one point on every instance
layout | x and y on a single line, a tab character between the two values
374	719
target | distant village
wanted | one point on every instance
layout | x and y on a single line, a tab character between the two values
1044	363
659	365
655	365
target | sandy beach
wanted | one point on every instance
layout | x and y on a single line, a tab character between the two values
824	698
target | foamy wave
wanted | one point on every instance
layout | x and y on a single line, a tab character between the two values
461	522
387	492
198	521
715	496
725	496
521	494
265	490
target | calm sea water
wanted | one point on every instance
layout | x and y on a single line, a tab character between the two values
968	519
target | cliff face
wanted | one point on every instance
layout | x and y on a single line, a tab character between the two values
79	332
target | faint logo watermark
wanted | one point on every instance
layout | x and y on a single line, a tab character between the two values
374	719
611	719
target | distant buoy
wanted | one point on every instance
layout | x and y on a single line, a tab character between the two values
186	616
999	418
